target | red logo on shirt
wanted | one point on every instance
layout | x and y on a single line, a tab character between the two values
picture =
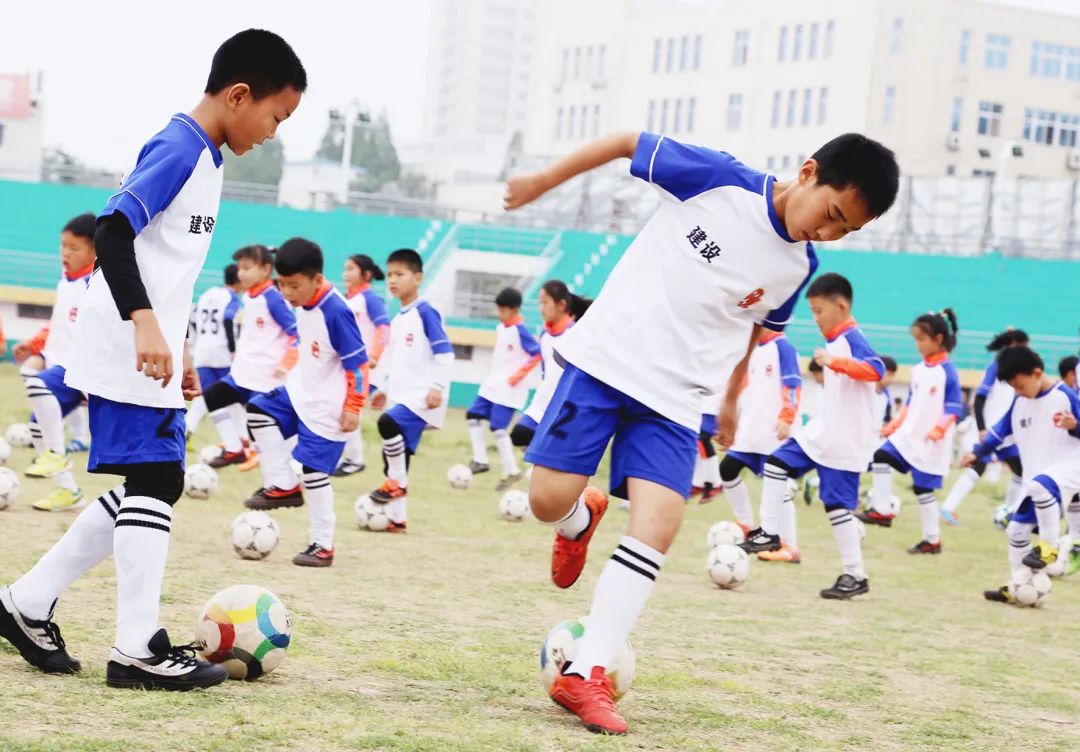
752	299
408	339
259	322
72	314
933	391
315	349
768	370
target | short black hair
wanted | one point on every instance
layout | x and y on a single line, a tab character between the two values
890	363
259	58
1017	361
260	254
853	160
232	275
939	324
408	257
815	367
508	297
298	256
1067	365
82	226
831	285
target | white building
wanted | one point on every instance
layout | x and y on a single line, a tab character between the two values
21	126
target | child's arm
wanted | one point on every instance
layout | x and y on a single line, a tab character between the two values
727	420
442	352
532	348
979	404
229	322
952	408
790	387
377	311
32	346
1069	420
283	314
524	189
994	438
345	338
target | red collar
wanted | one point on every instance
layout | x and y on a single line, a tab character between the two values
937	358
840	329
556	329
258	290
768	336
352	292
514	322
72	276
319	295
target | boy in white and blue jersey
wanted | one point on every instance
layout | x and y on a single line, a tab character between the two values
214	331
723	257
319	404
1067	372
504	391
151	241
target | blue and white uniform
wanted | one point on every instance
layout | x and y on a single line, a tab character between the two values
498	399
999	397
214	334
69	294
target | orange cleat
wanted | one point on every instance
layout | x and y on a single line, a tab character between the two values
251	461
397	527
387	492
785	553
592	700
568	556
226	458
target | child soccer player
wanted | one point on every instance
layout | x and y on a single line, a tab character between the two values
319	404
265	353
837	442
1043	421
882	395
504	391
920	439
725	254
414	380
151	240
1067	371
50	398
215	339
370	312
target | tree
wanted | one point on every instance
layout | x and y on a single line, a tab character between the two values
263	164
372	149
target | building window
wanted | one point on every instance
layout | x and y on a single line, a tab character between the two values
792	106
742	44
997	51
990	118
1039	126
600	62
697	52
781	51
663	116
684	52
1072	64
676	124
596	120
584	121
1067	132
830	33
691	113
796	47
813	50
558	124
957	113
785	163
652	116
577	63
950	169
670	55
896	36
807	105
822	104
734	112
657	45
776	98
588	63
770	163
965	46
565	64
1055	61
889	105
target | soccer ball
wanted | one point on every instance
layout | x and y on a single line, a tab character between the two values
460	476
1001	516
200	481
1029	588
245	628
514	506
5	451
254	535
18	435
561	646
724	533
9	487
728	566
209	453
371	514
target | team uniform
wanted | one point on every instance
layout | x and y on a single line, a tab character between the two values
370	312
213	336
550	372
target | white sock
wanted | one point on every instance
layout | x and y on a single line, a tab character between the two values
36	439
1048	514
396	467
65	479
1072	518
196	412
78	423
789	532
881	495
739	498
479	445
140	546
506	452
87	543
47	414
711	470
396	510
846	533
319	496
273	451
960	489
621	592
773	491
227	429
576	520
238	411
1013	492
928	514
354	447
1019	534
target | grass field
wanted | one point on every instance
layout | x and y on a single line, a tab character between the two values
429	641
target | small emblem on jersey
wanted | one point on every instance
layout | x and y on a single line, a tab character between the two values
768	370
200	223
700	242
72	314
315	349
933	391
1025	422
752	299
259	322
408	339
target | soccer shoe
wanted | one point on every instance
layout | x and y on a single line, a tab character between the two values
275	498
314	556
189	446
47	465
846	586
478	467
925	547
568	556
1039	556
695	491
397	527
807	492
874	517
785	553
507	482
592	700
950	517
348	467
757	540
38	642
59	500
227	458
77	445
1001	595
709	493
251	461
170	667
387	492
1074	561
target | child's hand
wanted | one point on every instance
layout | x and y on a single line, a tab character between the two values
280	373
515	379
21	352
937	433
189	383
822	358
783	430
967	459
726	423
349	421
152	354
434	398
523	189
378	400
1066	421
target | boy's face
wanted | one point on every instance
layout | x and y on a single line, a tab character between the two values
401	281
821	212
251	121
76	252
1070	379
828	312
299	288
506	314
251	273
1028	384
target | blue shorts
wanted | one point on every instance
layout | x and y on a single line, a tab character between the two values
412	425
312	450
708	425
1026	511
1002	455
839	488
918	478
584	415
497	416
126	434
755	462
69	398
526	422
208	376
245	394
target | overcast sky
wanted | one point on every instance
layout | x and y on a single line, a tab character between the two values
113	76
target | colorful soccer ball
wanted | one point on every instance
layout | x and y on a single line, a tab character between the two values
514	506
18	435
728	566
1028	588
200	481
371	514
561	646
460	476
254	535
1001	516
5	451
724	533
9	487
209	453
246	629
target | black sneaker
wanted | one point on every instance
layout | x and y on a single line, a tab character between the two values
478	467
314	556
507	482
925	547
1039	556
275	498
348	467
1001	595
758	540
172	668
39	642
846	586
807	492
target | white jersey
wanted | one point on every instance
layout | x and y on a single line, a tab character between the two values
268	327
330	347
933	393
171	199
69	294
1030	422
214	338
712	262
417	360
842	436
772	376
999	398
551	371
370	312
514	348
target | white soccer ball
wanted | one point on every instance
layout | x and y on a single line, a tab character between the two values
9	487
514	506
371	514
1001	516
5	451
561	646
209	453
254	535
200	481
18	435
1028	588
728	566
460	476
724	533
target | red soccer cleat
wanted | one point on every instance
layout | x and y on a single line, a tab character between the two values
387	492
873	517
592	700
568	556
227	458
397	527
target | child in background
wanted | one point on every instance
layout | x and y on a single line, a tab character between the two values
883	404
214	335
1067	371
706	480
